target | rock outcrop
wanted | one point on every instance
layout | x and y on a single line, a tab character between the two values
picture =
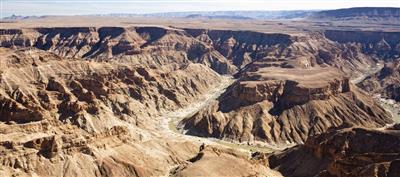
383	45
32	88
280	106
243	47
359	13
225	51
104	43
386	82
344	152
233	164
301	50
90	101
67	117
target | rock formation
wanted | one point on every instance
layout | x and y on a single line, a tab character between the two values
359	13
344	152
34	83
239	165
386	82
379	45
56	112
225	51
134	44
280	106
90	101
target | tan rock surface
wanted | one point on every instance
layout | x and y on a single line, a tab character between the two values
344	152
281	106
87	101
224	163
74	117
386	82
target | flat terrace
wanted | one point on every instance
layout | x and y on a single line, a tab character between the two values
270	26
310	78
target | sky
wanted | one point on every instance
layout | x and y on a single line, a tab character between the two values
83	7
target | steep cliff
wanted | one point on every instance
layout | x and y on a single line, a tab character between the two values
225	51
359	13
88	100
243	47
344	152
383	45
68	117
34	82
386	82
280	106
349	51
144	45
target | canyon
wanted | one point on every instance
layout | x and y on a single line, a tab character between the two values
350	151
173	100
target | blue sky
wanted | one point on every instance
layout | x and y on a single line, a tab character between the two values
81	7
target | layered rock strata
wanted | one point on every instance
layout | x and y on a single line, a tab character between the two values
280	106
69	117
345	152
225	51
386	82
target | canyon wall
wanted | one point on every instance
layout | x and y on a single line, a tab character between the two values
225	51
385	45
386	82
88	100
281	106
345	152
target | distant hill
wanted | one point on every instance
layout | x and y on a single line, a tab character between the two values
358	13
243	15
373	13
218	17
380	13
20	17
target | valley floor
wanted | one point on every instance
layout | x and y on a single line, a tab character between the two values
390	105
169	123
114	101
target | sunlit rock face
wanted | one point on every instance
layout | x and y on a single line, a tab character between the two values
343	152
386	82
89	100
280	106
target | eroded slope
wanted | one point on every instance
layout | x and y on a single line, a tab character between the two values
280	106
83	100
345	152
386	82
57	113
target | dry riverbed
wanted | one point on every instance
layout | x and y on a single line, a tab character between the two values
171	121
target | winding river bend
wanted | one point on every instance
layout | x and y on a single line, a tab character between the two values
388	104
169	123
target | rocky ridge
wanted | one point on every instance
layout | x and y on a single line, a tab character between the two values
88	96
199	165
386	82
225	51
281	106
359	13
144	45
349	151
67	117
66	110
